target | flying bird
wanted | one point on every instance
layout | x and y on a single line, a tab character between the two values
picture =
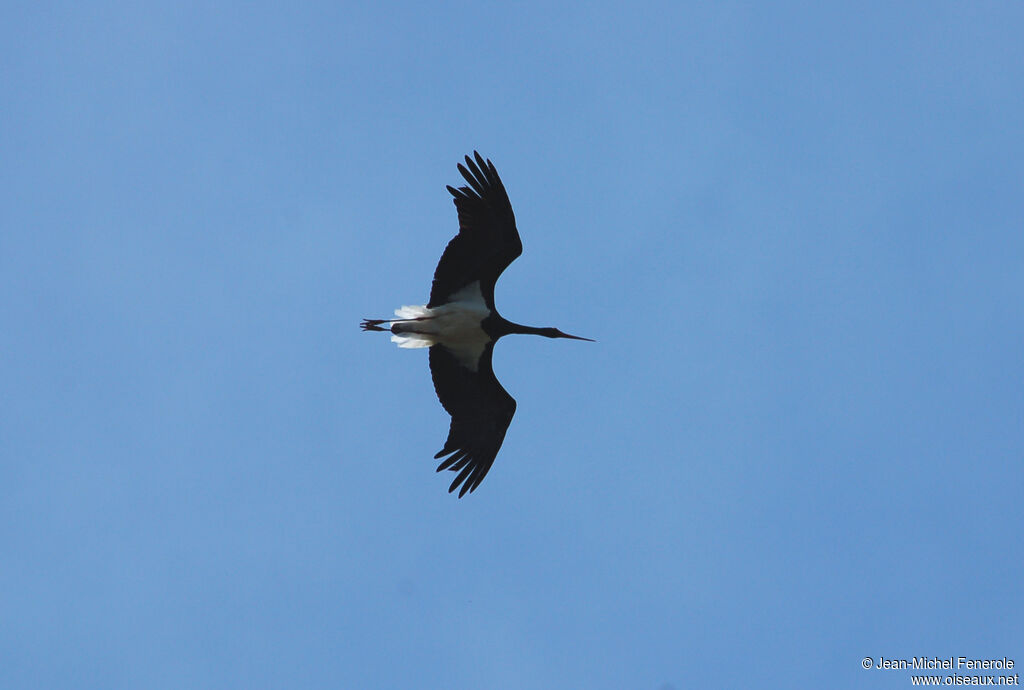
460	325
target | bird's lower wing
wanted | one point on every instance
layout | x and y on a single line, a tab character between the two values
481	412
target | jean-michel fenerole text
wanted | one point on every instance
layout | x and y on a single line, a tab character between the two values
953	662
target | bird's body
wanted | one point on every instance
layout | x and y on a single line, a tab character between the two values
457	324
460	325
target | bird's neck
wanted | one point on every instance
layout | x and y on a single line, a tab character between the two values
520	329
497	326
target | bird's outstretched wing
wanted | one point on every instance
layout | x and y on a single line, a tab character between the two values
487	241
481	411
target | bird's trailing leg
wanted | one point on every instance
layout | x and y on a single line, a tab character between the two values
375	324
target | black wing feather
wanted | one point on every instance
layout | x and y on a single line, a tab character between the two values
487	241
481	412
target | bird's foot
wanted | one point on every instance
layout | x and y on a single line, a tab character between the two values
374	324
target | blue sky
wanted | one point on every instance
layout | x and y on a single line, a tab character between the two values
795	232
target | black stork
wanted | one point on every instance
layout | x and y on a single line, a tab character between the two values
460	325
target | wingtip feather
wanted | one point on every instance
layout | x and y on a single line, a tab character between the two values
463	475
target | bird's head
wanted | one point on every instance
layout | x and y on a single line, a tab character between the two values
555	333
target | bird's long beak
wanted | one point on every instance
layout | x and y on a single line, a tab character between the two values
574	337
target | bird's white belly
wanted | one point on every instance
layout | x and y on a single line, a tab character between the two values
456	325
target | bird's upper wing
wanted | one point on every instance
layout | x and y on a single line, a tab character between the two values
487	241
481	411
